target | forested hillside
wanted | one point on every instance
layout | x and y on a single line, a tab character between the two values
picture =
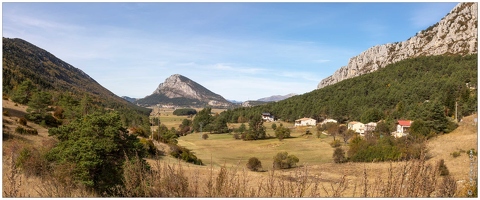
400	91
23	61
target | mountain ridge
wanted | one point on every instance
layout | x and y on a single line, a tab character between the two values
276	97
456	33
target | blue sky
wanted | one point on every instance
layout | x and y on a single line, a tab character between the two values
242	51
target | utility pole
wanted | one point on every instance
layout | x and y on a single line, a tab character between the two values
201	124
456	111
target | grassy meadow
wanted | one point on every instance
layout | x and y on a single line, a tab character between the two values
223	149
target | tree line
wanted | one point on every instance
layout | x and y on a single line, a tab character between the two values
397	91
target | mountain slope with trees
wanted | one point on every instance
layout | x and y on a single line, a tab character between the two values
400	91
23	61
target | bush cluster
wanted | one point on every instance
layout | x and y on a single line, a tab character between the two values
26	131
185	111
22	121
284	161
335	143
184	154
254	164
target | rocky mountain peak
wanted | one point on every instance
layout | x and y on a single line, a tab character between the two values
178	86
456	33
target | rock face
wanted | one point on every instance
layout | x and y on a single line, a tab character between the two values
456	33
181	87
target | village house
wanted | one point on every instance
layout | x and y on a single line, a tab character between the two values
328	120
370	127
305	122
403	128
268	117
358	127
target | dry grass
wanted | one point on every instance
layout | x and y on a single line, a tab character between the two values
225	174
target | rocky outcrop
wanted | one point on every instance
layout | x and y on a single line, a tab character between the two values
456	33
178	86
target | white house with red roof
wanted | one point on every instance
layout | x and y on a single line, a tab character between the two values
403	128
305	122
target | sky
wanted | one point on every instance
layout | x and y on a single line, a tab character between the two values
242	51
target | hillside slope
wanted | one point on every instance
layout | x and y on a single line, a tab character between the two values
400	90
462	139
456	33
23	60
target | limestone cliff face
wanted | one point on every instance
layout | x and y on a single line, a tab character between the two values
178	86
456	33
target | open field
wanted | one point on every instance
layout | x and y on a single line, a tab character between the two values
223	150
316	153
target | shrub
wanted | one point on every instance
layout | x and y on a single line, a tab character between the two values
284	161
58	113
205	136
140	132
442	168
254	164
274	126
282	132
184	154
335	143
26	131
339	155
237	136
149	146
22	121
455	154
473	152
31	162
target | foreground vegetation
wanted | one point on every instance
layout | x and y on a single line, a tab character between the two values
414	178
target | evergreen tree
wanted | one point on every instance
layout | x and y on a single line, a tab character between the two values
39	103
97	145
257	130
202	119
282	132
23	92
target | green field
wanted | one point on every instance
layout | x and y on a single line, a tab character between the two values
220	149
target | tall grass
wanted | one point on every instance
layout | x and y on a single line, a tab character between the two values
414	178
